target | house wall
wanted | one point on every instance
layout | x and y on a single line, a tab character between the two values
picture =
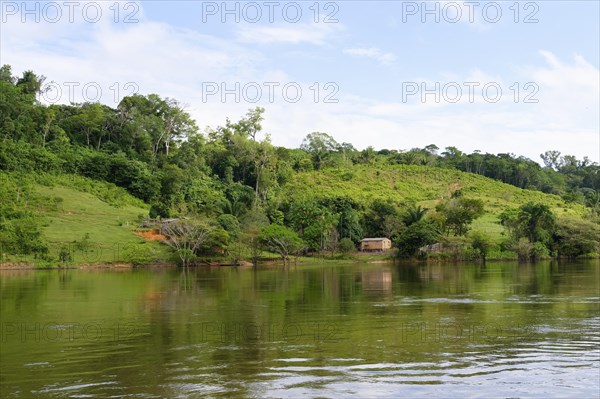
375	245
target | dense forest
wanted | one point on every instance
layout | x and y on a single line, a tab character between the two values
227	184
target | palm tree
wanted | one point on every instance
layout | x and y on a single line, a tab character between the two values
413	214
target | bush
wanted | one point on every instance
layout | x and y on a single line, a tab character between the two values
523	248
424	232
22	237
481	244
230	223
539	251
138	254
159	210
577	237
346	245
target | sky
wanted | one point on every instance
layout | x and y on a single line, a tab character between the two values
520	77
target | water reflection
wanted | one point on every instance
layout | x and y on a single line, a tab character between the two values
361	330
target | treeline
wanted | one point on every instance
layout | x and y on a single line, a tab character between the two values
230	175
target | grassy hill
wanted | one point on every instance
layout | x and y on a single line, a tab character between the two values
424	186
94	221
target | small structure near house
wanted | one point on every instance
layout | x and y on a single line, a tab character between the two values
433	248
375	244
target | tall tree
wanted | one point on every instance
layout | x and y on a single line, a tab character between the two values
319	145
186	237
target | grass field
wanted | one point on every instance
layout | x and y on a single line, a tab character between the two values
92	229
425	186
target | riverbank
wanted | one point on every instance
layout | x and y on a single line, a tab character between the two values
269	261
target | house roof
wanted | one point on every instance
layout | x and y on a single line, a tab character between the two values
374	239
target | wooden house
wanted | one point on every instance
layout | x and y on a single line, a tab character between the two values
375	244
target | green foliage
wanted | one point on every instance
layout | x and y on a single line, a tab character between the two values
22	237
481	243
320	146
577	237
150	147
230	224
139	254
83	244
281	240
65	255
459	212
346	245
86	206
218	241
424	232
159	210
532	228
536	222
523	247
375	218
413	214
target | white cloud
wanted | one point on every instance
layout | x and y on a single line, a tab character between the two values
317	34
565	118
373	53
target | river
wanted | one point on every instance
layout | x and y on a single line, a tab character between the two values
503	330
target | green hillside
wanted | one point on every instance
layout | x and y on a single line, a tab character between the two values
426	186
94	221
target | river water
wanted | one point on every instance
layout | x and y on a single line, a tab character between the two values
504	330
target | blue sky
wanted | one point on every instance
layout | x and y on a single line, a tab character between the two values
374	59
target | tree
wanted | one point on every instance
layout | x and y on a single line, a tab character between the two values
551	159
87	122
6	74
230	224
481	243
22	237
252	223
321	232
30	83
413	214
577	237
458	213
536	222
262	154
250	125
303	213
319	145
368	155
177	124
281	240
424	232
375	219
186	237
49	115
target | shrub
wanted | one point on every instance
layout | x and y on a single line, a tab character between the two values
346	245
